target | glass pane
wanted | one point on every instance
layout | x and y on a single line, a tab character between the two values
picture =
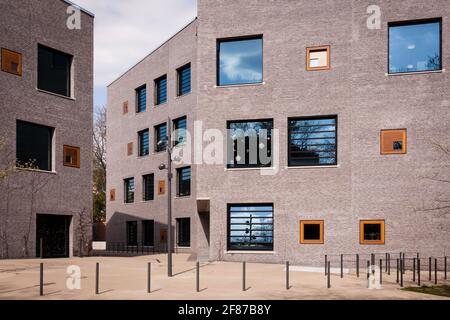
311	231
240	61
372	231
415	47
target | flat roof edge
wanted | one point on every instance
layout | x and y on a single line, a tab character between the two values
77	6
153	51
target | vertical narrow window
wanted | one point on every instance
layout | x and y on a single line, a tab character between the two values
250	227
149	185
132	233
148	233
54	74
415	46
161	187
311	232
184	182
371	231
250	143
184	80
141	99
184	232
161	90
312	141
71	156
180	127
161	137
11	62
144	142
129	190
112	195
318	58
240	61
34	145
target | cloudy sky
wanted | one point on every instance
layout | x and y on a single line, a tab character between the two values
126	31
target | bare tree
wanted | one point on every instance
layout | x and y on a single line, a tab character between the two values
83	227
99	173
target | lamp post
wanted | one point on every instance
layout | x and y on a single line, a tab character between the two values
168	167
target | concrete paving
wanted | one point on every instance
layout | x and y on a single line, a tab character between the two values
126	278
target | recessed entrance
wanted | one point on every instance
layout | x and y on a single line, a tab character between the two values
54	232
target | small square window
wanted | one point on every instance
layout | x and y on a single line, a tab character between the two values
11	62
112	195
318	58
72	157
371	231
393	141
311	232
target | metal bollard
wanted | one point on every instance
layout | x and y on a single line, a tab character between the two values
372	259
357	265
328	276
149	277
435	271
243	277
398	266
381	271
445	268
414	270
368	267
389	264
41	248
404	264
41	279
97	271
198	277
401	273
386	266
342	265
418	272
429	269
287	276
326	264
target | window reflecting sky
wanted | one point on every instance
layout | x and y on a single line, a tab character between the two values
414	47
240	62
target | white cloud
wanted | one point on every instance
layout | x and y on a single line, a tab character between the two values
126	31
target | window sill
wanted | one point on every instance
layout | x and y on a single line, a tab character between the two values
249	252
249	169
187	248
183	95
143	157
140	112
160	105
412	73
182	197
36	170
314	167
55	94
241	85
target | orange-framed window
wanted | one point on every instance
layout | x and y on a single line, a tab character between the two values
11	62
72	157
318	58
371	232
311	232
393	141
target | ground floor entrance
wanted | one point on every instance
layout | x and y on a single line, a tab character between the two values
52	234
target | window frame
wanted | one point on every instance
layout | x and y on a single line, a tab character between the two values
405	142
157	85
409	23
5	52
141	142
77	150
240	166
238	38
326	48
157	148
137	92
362	241
126	187
145	189
321	223
133	223
179	243
179	176
334	116
179	78
229	206
174	128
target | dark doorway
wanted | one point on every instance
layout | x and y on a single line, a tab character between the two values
54	232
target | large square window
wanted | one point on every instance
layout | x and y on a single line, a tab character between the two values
240	61
250	143
312	141
250	227
34	146
54	74
415	46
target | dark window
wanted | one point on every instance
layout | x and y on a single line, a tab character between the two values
312	141
372	232
54	71
240	61
184	182
180	127
161	90
184	232
148	228
415	46
184	79
149	187
250	227
131	233
34	146
311	232
141	99
161	137
249	143
144	143
129	190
